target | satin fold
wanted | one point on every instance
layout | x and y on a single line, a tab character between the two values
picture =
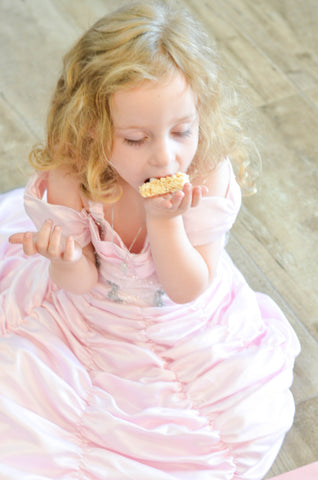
121	383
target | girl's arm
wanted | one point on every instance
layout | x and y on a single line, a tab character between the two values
72	268
78	277
184	271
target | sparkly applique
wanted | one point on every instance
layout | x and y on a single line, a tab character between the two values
158	300
113	293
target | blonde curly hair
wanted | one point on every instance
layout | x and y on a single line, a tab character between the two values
142	41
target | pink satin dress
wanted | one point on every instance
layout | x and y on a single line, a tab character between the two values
121	383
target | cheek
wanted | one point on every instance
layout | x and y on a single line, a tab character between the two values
118	155
126	164
192	148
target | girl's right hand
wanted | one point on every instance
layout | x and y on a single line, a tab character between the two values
50	243
175	203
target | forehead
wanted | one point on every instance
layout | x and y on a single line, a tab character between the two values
153	101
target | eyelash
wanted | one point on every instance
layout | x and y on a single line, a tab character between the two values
134	143
185	133
139	143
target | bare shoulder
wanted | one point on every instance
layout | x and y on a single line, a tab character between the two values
218	180
64	188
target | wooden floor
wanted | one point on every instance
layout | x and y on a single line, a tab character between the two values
271	48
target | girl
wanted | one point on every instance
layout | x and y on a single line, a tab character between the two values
131	346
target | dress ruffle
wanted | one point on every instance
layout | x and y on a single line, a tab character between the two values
95	388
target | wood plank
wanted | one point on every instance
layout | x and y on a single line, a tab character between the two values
289	148
273	261
260	81
300	446
15	144
269	47
312	96
305	385
35	38
272	26
87	13
278	226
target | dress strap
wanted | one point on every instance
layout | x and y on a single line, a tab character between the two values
73	222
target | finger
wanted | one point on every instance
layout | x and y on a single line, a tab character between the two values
160	201
176	199
204	190
185	196
28	243
73	252
16	238
196	196
69	249
43	237
55	249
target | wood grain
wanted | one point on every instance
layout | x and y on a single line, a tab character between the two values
270	49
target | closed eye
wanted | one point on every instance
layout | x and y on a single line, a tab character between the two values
134	143
184	133
139	142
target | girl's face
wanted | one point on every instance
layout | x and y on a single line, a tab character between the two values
155	130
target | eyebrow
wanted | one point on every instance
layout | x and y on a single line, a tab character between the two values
186	118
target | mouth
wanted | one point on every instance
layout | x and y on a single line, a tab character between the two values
156	178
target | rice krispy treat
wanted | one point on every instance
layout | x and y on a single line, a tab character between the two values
160	186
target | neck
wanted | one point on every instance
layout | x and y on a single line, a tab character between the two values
127	217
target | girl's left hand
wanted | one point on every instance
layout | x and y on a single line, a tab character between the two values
50	243
175	203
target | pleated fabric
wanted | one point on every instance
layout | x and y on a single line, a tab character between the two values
122	383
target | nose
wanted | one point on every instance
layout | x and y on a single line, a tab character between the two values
163	153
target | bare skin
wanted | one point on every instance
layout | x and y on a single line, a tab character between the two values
155	134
